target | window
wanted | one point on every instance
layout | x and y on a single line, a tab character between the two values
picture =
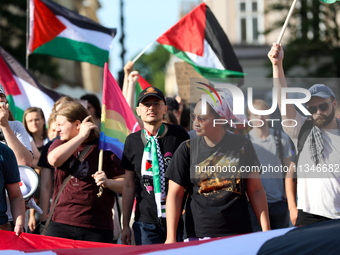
254	6
243	30
242	7
250	21
255	30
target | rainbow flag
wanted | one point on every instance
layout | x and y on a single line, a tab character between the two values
117	120
140	86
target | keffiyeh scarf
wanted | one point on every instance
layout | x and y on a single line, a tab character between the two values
316	143
153	168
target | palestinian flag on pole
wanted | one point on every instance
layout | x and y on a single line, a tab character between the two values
140	86
22	90
199	40
62	33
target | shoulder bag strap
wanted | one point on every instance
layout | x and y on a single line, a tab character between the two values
73	169
278	142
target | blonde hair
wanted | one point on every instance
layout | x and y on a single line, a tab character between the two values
259	102
59	102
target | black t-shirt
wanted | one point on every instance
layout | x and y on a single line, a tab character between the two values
43	155
146	209
217	204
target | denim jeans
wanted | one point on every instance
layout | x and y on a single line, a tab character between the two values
278	216
147	233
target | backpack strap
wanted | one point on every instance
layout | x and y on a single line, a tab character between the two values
304	132
246	135
278	143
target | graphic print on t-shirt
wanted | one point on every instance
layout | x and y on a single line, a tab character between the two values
167	159
218	174
81	173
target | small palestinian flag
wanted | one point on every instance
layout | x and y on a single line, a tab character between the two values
199	40
140	86
22	90
61	33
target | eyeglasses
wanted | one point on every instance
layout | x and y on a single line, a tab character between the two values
155	105
200	119
323	107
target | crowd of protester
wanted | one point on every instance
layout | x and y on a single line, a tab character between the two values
165	178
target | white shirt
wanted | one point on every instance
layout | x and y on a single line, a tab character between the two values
318	188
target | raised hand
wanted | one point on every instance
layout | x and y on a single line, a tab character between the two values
133	77
276	54
85	127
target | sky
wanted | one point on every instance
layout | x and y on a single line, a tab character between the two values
144	22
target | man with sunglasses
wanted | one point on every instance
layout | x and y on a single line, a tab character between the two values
318	182
147	154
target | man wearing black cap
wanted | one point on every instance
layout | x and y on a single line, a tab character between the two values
318	156
147	154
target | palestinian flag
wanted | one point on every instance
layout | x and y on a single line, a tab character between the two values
317	238
22	89
140	86
199	40
61	33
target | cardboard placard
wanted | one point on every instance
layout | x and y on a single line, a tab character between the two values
184	73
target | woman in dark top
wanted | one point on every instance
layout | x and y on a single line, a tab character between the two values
80	214
218	170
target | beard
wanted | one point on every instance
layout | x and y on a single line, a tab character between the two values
324	120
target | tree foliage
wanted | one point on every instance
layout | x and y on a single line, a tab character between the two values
151	66
313	41
13	39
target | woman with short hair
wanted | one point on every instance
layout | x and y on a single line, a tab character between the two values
211	170
80	214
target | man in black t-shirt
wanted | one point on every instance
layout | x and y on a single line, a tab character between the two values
147	154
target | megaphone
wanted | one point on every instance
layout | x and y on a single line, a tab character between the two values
29	181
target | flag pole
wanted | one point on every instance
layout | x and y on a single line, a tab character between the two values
286	22
100	168
142	52
27	30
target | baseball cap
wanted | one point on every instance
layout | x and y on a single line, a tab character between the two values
151	91
321	90
2	90
172	104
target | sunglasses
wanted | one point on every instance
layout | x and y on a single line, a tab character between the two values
155	105
200	119
323	107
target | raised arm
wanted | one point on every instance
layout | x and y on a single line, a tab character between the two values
128	68
60	154
22	153
276	55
